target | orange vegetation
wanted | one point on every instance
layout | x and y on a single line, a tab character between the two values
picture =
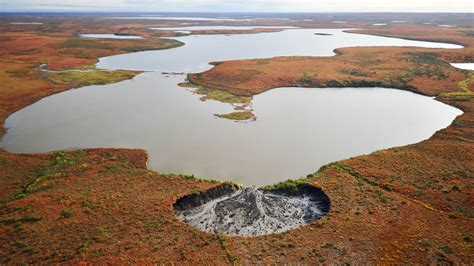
419	69
435	174
410	204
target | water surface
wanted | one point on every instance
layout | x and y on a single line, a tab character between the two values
190	28
202	49
297	129
464	66
26	23
176	18
109	36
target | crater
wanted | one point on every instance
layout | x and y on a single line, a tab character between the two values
231	210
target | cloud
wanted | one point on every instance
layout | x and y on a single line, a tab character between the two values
241	5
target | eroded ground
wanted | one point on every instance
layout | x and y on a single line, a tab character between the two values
410	204
250	211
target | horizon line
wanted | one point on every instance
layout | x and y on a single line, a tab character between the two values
236	12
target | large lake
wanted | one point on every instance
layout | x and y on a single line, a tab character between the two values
297	129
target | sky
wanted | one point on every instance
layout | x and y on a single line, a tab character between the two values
239	5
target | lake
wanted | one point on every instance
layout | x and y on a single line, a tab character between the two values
109	36
188	29
464	66
297	129
191	28
159	17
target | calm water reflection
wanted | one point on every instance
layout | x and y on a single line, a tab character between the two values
296	132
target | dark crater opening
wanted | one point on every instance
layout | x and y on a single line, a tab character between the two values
231	210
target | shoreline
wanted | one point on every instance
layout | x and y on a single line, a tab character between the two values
359	188
189	82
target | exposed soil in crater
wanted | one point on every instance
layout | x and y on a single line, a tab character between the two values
252	211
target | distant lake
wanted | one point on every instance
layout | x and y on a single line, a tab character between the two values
176	18
26	23
202	49
297	129
162	17
109	36
190	28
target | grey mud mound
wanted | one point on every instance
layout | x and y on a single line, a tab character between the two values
229	210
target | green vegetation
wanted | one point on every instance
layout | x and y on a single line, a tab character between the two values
427	64
339	251
222	96
360	180
465	211
238	116
65	214
31	219
464	85
223	242
192	177
458	122
457	96
425	243
105	231
25	219
58	168
447	249
153	224
288	185
425	58
187	85
341	167
400	80
84	247
432	71
307	80
383	199
86	78
429	71
355	72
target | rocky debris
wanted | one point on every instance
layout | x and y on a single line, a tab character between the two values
251	211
